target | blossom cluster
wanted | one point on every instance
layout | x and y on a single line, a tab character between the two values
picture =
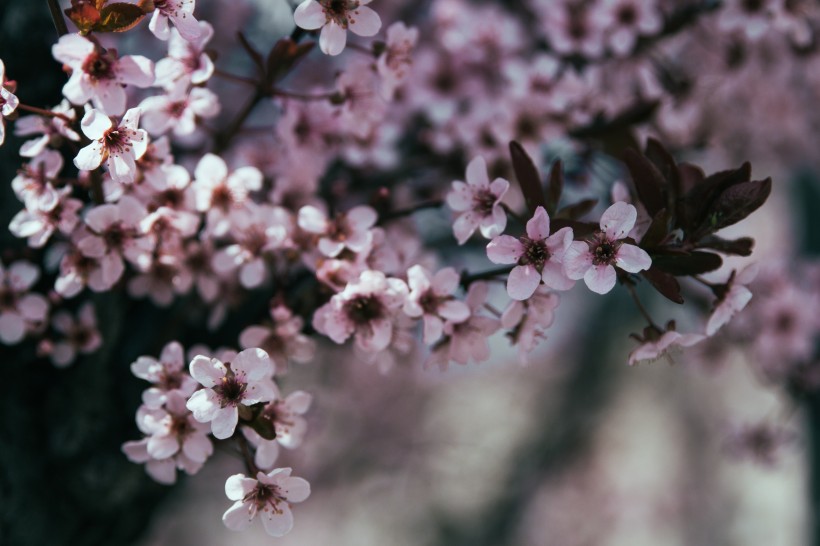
133	184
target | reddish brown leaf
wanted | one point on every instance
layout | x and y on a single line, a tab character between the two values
664	283
527	176
119	17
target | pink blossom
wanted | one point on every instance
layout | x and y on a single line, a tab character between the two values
659	345
626	20
282	338
733	298
163	471
538	257
432	299
186	60
245	380
466	341
39	225
284	418
161	281
219	191
365	308
167	374
121	146
363	109
8	102
269	495
394	63
573	28
20	310
33	184
752	19
528	319
479	201
179	12
100	76
335	17
346	230
80	335
51	130
179	110
595	260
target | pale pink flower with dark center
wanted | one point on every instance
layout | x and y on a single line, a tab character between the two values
167	375
479	203
178	12
527	320
38	225
363	109
466	341
51	130
734	297
80	335
432	299
573	28
8	102
245	380
627	20
656	345
284	417
219	191
186	60
394	63
351	229
33	183
538	257
120	146
365	308
282	338
269	495
19	310
761	442
179	110
335	17
172	429
595	260
100	76
751	17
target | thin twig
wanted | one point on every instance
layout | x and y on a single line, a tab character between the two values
43	112
641	308
467	278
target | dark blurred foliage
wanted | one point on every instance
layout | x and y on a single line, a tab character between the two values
63	478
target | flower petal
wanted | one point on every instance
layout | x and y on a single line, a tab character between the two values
618	220
365	22
538	227
632	259
310	15
600	278
522	282
504	249
333	38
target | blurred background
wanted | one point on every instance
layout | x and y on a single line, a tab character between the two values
575	448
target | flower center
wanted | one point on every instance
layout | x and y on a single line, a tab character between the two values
483	202
114	236
8	299
265	495
337	10
535	253
99	67
627	15
364	309
117	141
230	390
753	6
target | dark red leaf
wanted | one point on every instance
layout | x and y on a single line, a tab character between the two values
739	247
578	210
527	176
694	263
665	163
555	187
658	230
649	182
83	14
664	283
119	17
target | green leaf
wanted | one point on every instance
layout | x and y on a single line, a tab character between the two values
528	178
119	17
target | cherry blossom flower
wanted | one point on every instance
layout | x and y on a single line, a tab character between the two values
364	308
335	17
432	299
172	429
284	418
33	183
733	298
245	380
363	109
479	201
394	63
179	110
538	257
38	225
120	146
761	442
595	260
752	18
8	102
347	230
167	375
656	345
269	495
100	76
81	335
282	339
179	12
466	341
163	471
573	28
51	130
219	191
528	319
19	310
114	235
626	20
186	60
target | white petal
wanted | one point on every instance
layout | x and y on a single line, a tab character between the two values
239	516
203	405
632	259
600	278
224	422
477	172
254	363
309	15
208	371
618	220
95	124
522	282
365	22
238	486
277	524
333	38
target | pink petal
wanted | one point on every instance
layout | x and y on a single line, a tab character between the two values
207	371
361	218
460	197
95	124
464	226
12	328
538	227
618	220
477	172
296	489
239	516
224	422
33	307
277	524
162	447
238	486
504	249
333	38
554	276
493	225
632	259
600	278
522	282
445	281
433	328
365	22
135	70
310	15
454	311
254	363
311	219
203	404
577	260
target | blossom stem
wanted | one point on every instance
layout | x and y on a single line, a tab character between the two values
43	112
640	306
492	310
57	17
468	278
433	204
96	187
224	139
235	78
246	453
